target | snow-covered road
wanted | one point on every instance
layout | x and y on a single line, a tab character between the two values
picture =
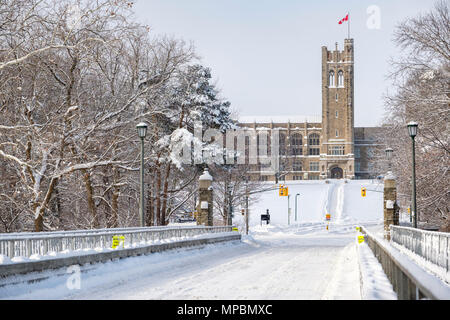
305	262
276	261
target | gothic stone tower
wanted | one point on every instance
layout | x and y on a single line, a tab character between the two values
337	150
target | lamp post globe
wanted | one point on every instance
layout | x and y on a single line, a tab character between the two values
142	129
412	129
389	153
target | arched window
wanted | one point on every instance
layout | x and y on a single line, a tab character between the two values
282	143
314	142
314	139
331	82
340	78
297	144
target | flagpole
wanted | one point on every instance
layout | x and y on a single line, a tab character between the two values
348	14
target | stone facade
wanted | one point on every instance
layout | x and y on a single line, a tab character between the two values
390	205
313	148
205	201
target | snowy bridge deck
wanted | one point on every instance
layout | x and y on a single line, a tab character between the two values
303	260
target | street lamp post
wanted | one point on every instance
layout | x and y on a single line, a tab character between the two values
296	205
246	205
412	130
389	153
142	132
289	211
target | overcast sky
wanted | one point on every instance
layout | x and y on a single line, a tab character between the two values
266	54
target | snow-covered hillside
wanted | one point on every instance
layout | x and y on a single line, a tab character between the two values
343	201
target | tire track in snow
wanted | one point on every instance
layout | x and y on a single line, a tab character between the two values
334	202
344	284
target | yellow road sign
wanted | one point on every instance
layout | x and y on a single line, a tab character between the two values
360	239
117	240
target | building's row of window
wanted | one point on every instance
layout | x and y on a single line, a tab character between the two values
297	144
332	79
298	151
310	177
297	165
336	150
297	139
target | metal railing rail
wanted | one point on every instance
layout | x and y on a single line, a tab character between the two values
430	245
28	245
82	231
408	281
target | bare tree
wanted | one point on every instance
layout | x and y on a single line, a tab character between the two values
422	94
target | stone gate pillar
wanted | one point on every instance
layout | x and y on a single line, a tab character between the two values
390	204
205	200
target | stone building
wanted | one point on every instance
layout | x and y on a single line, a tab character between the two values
330	146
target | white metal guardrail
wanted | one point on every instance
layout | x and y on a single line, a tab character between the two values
430	245
88	231
28	244
408	280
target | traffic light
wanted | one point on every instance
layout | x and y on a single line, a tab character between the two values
363	192
283	191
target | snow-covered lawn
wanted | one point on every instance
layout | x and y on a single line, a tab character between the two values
343	201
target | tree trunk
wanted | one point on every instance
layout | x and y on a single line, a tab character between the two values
166	188
115	200
39	224
158	194
90	198
39	209
115	208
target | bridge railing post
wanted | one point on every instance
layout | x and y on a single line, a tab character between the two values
389	204
205	201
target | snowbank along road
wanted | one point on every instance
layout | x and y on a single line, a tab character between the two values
302	260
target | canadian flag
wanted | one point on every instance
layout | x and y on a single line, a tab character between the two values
344	19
